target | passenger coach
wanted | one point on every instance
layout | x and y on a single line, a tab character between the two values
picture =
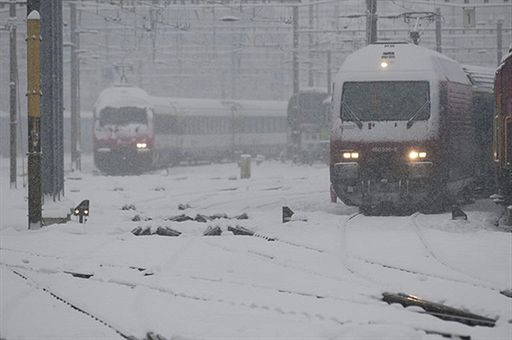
503	130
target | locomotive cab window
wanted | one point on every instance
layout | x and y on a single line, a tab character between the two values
385	100
123	116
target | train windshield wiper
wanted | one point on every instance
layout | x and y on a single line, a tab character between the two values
416	114
353	115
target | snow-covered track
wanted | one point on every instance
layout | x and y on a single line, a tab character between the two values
473	279
447	272
31	282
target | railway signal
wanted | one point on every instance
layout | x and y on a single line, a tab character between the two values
82	211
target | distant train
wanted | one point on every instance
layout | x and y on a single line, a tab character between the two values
503	130
403	131
135	131
309	122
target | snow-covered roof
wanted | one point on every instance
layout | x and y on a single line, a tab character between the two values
315	89
404	62
218	107
505	57
122	96
482	78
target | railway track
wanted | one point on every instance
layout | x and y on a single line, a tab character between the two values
451	272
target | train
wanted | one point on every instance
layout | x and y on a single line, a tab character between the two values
309	124
136	132
503	132
403	130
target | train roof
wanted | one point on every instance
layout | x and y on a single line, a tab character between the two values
506	59
218	107
404	62
313	89
122	96
482	78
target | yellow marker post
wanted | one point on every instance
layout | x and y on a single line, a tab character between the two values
34	119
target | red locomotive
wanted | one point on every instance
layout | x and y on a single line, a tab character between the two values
402	134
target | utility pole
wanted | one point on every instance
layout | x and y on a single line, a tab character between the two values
439	47
499	41
233	66
13	84
295	53
296	122
75	89
329	77
310	45
371	22
34	119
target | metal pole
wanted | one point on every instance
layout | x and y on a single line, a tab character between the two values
233	63
295	53
78	97
310	46
34	119
296	122
438	31
329	77
499	41
13	65
371	22
74	87
32	5
52	162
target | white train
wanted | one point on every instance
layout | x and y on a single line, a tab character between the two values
135	131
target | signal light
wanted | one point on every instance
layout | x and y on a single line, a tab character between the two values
82	211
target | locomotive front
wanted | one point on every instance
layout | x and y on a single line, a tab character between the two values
123	131
388	144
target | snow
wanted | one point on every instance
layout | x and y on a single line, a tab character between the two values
34	15
122	96
216	107
322	277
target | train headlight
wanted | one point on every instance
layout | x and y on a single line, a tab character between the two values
384	64
350	155
415	155
142	145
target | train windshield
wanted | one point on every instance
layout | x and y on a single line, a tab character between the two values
385	100
123	116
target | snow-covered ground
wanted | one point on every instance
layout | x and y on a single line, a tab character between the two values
322	277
